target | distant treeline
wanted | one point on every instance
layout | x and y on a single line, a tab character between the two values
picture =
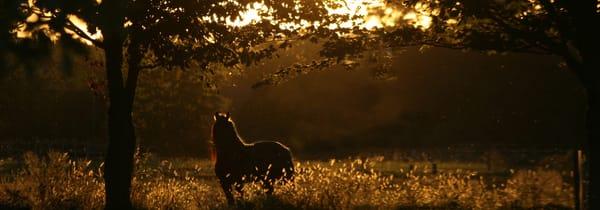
60	109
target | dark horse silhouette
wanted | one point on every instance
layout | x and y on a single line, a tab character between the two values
238	162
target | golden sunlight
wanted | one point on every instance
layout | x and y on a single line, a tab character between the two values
79	23
373	14
362	14
254	13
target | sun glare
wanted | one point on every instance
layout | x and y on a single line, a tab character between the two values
361	14
83	26
254	13
364	14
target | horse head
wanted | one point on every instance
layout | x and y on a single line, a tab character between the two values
220	117
224	132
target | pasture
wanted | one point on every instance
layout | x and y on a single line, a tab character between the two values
56	181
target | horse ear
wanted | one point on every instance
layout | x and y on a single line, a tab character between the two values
228	115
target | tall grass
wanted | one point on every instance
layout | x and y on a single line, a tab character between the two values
55	181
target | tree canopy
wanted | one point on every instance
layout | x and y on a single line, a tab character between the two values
562	28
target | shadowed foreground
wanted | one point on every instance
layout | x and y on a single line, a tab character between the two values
57	182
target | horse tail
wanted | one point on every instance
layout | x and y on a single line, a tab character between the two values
213	154
212	148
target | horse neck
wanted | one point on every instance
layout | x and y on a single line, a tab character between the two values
229	144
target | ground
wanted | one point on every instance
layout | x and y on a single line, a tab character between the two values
56	181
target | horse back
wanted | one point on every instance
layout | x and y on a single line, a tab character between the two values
269	151
272	156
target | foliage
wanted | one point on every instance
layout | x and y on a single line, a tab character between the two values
38	50
176	34
59	183
547	27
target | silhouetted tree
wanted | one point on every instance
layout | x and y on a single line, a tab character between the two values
156	34
563	28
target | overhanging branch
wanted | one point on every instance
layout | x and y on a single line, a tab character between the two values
79	32
534	39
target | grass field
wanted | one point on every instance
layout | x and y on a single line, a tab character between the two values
55	181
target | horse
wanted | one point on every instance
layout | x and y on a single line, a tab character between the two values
238	162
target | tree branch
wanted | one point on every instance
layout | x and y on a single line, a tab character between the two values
79	32
532	38
452	46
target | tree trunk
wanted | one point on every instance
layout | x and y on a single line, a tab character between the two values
593	147
118	165
587	72
586	67
581	54
591	80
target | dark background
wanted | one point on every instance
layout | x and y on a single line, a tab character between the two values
438	98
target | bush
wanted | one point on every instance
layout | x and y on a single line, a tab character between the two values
54	182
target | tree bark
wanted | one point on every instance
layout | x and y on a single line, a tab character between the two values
593	127
118	165
585	60
589	46
592	86
588	75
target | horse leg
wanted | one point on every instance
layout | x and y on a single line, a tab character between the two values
227	190
269	187
239	188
